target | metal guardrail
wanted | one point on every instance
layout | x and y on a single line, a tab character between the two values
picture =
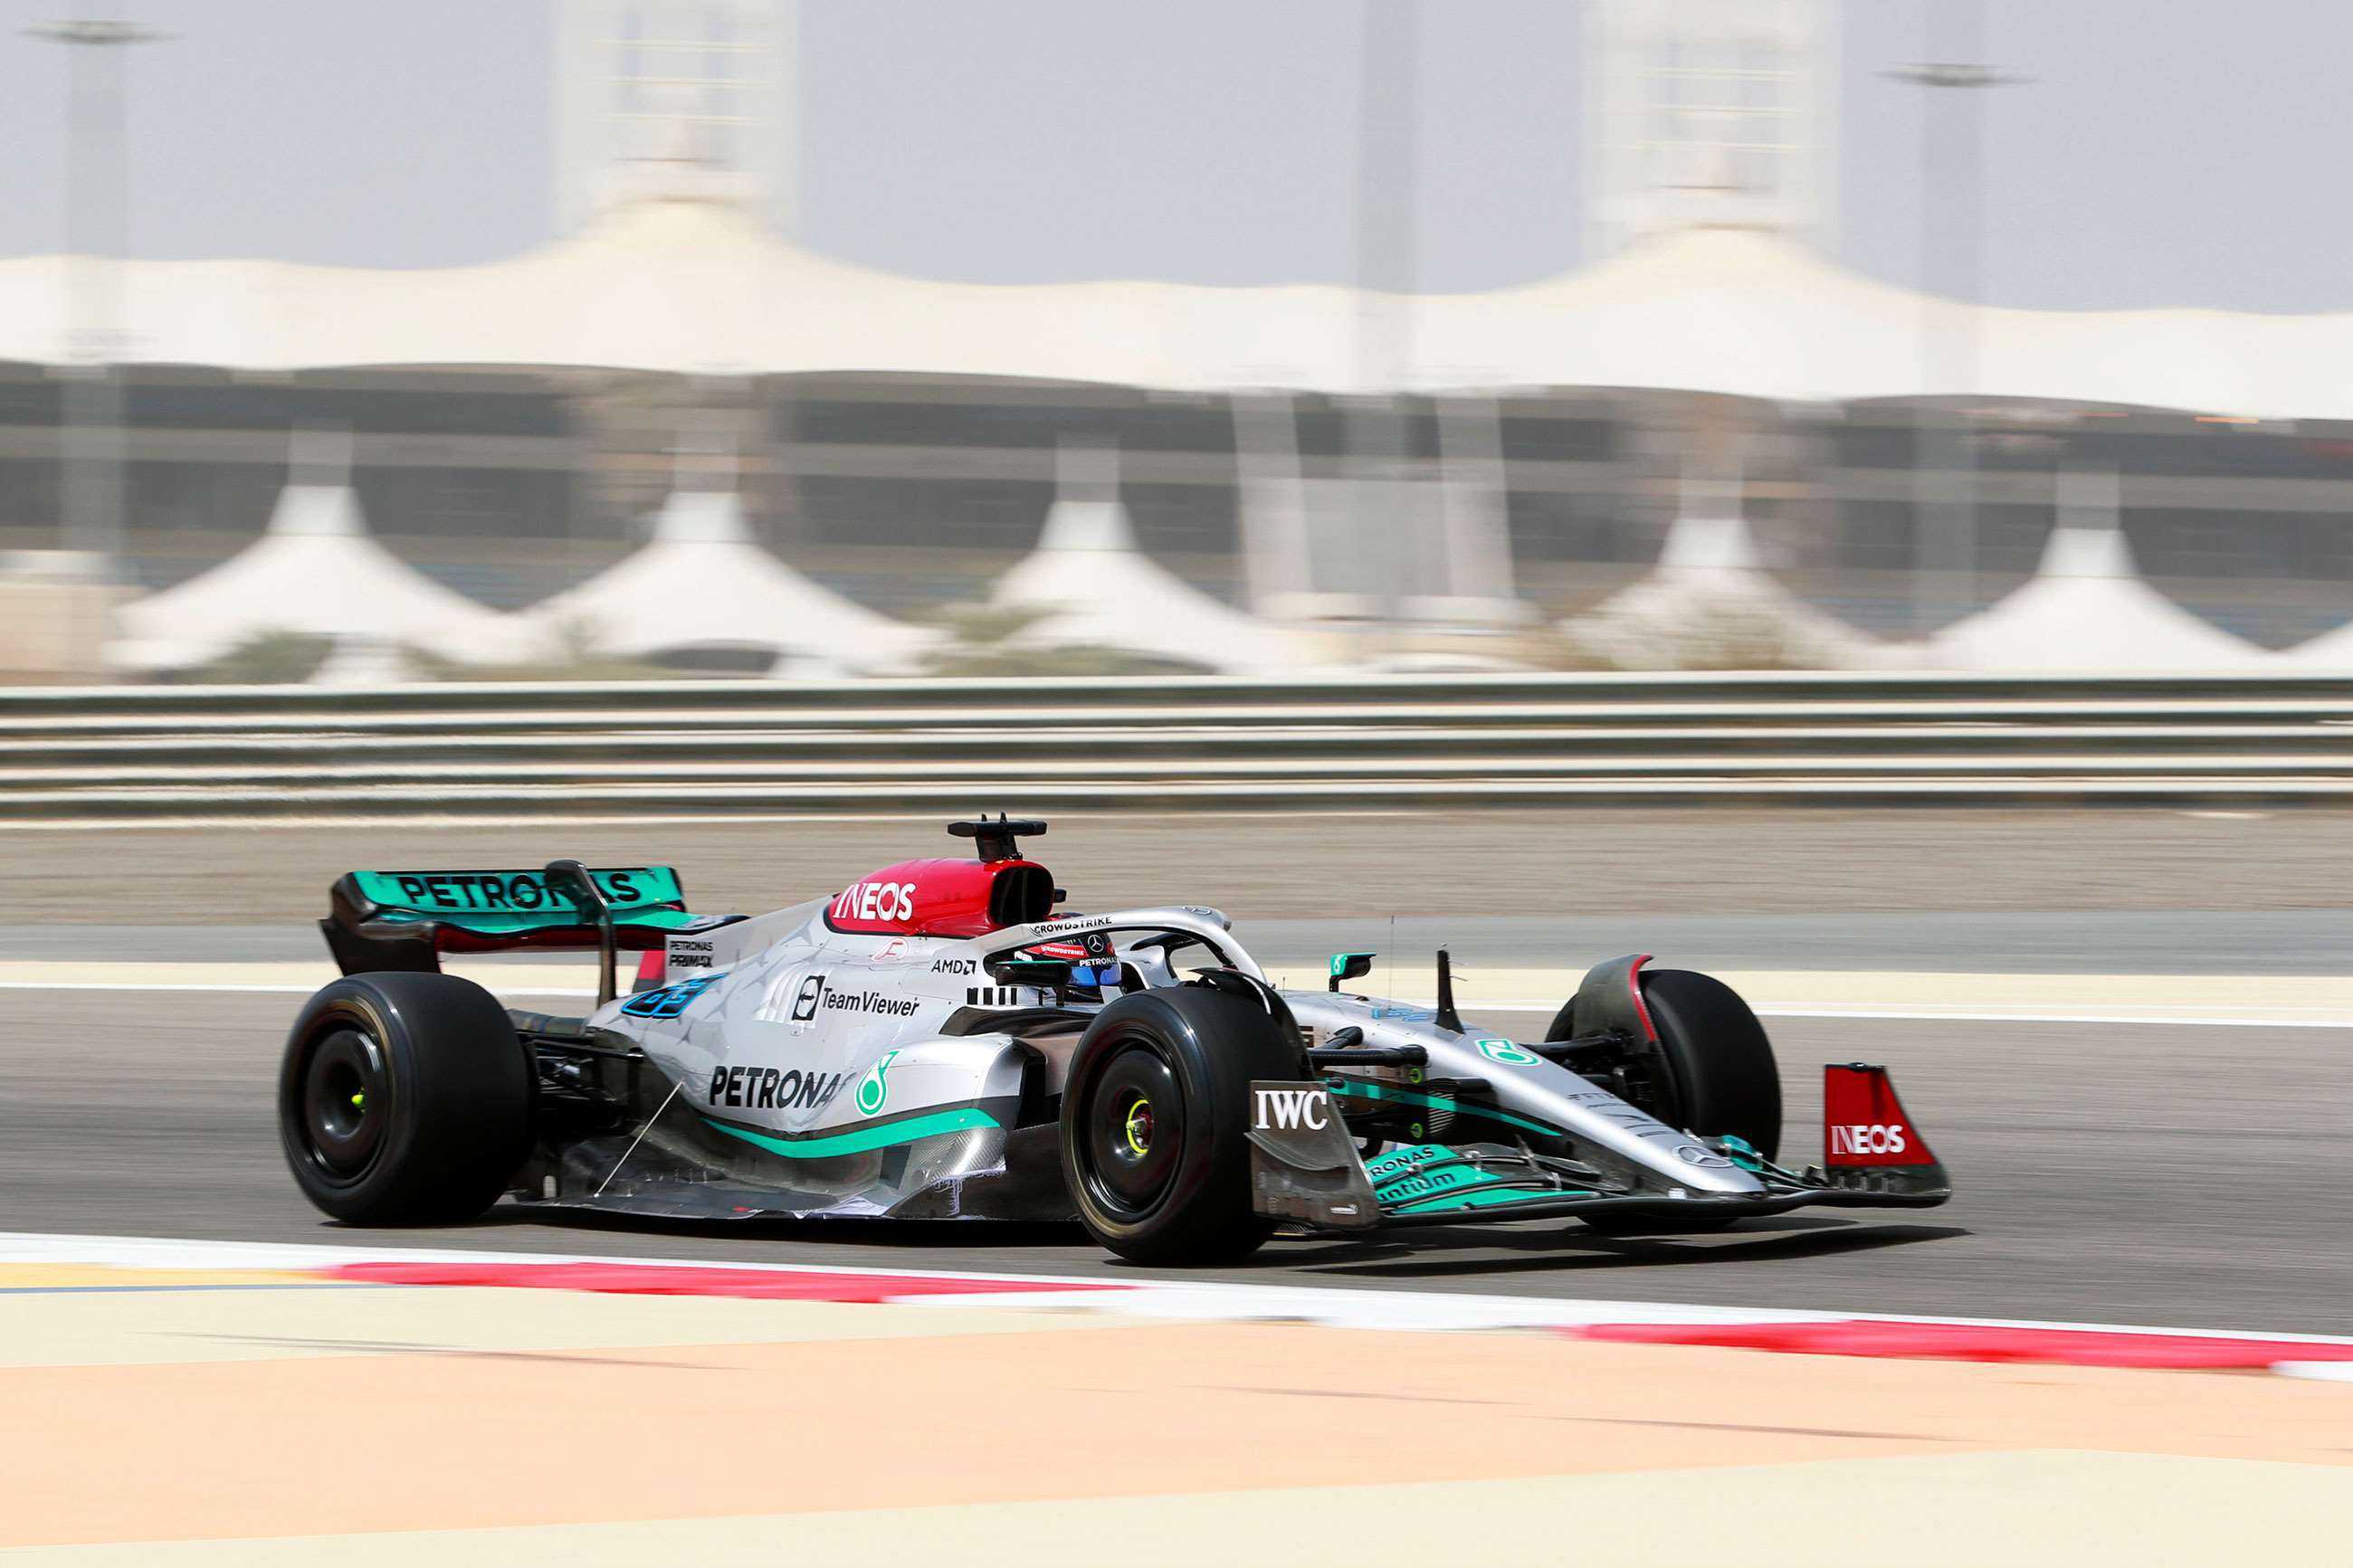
738	747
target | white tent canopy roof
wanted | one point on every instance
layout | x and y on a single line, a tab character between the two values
2088	609
1098	590
695	287
702	581
1710	599
315	572
2331	651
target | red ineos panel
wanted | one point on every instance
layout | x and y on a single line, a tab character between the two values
943	898
1862	1121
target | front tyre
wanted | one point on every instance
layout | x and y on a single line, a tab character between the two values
1716	1055
404	1099
1155	1146
1713	1071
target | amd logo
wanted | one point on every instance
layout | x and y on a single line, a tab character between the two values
1290	1108
1867	1138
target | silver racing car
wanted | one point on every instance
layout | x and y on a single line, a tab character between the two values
934	1041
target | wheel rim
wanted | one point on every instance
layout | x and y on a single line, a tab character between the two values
346	1104
1133	1131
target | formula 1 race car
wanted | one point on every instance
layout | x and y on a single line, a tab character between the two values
934	1041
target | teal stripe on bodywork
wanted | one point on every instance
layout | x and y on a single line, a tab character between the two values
826	1145
1483	1198
1450	1186
1429	1102
1431	1187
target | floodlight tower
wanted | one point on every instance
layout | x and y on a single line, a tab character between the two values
1952	164
671	100
91	473
673	97
1707	114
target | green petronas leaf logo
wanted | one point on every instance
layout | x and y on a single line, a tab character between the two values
872	1090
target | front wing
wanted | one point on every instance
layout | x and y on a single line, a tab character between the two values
1306	1169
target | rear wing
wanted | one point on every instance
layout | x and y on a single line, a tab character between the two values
407	919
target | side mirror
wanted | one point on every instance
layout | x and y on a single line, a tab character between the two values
1349	966
1045	972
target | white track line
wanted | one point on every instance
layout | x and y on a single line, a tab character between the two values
1928	1016
1151	1297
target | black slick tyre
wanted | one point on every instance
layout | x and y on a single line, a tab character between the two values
1718	1057
1156	1119
404	1099
1712	1072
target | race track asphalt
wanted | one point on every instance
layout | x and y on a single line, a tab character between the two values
2168	1176
2179	1175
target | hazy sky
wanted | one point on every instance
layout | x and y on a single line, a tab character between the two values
2167	152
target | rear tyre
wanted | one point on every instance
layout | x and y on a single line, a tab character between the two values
1713	1073
404	1099
1156	1146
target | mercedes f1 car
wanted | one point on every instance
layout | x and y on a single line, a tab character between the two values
936	1041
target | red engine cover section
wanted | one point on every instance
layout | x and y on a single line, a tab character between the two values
942	897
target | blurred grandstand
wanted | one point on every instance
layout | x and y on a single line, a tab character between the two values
514	428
